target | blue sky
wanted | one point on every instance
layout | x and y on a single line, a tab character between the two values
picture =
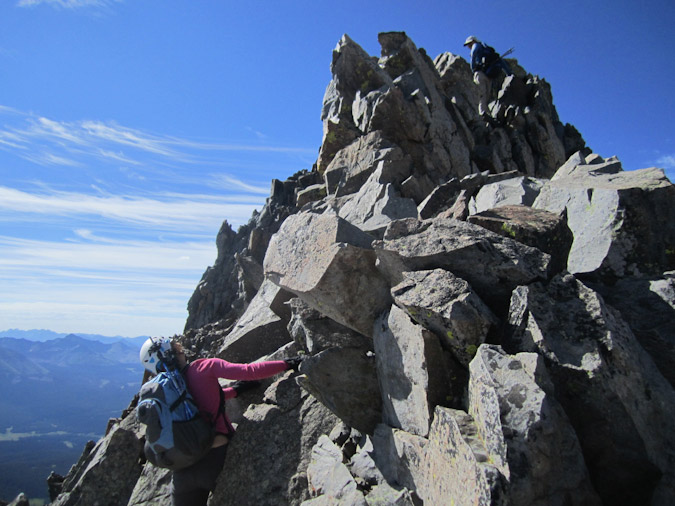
130	129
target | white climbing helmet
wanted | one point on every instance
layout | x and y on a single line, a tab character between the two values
471	40
155	351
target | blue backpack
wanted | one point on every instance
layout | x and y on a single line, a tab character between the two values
177	435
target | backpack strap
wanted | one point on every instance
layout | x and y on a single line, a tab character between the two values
178	401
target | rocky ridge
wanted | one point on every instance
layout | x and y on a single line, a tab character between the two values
486	307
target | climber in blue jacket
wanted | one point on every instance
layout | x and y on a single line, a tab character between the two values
486	65
485	59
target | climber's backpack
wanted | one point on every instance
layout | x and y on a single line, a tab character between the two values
490	57
177	435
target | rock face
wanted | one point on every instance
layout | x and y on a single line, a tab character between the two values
486	307
107	471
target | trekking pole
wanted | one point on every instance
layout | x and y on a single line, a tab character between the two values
508	52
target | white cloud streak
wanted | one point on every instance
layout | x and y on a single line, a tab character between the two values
106	256
108	141
153	317
229	182
86	250
98	283
666	162
180	213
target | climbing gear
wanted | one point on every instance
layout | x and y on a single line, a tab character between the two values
155	352
471	40
294	362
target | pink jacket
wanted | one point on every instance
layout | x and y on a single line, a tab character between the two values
202	381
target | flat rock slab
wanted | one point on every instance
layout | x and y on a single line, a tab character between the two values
623	223
492	264
410	370
517	191
326	376
538	228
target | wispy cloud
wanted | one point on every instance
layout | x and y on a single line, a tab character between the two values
666	162
257	133
107	226
93	282
229	182
46	141
173	212
93	254
51	159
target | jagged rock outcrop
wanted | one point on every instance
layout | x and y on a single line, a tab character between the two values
621	221
107	471
227	287
607	383
486	307
19	500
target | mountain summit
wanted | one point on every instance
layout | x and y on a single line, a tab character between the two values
485	303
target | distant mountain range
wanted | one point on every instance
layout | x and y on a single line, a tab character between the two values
48	335
69	383
56	391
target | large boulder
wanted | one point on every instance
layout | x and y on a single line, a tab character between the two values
443	197
325	376
455	466
538	228
648	306
315	332
623	223
152	488
328	263
338	475
526	432
411	371
329	477
399	456
492	264
517	191
352	166
275	438
376	204
259	331
446	305
607	384
580	165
